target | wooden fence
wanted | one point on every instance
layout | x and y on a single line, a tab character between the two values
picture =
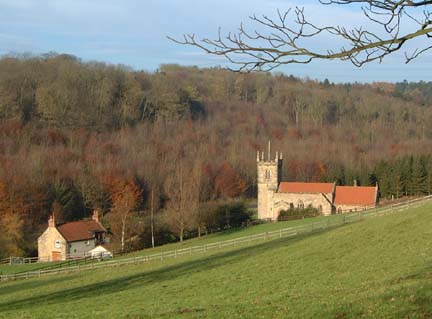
281	233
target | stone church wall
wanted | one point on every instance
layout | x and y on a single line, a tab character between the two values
283	201
351	208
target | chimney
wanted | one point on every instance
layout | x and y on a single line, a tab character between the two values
95	216
51	221
277	156
258	159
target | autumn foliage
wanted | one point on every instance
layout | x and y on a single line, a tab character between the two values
101	137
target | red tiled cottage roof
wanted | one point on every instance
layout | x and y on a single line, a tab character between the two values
80	230
355	195
296	187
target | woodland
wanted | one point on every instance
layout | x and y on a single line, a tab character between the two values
173	152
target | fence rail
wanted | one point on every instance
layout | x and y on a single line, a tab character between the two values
270	235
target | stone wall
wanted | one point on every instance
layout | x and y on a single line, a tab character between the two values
283	201
47	244
268	177
351	208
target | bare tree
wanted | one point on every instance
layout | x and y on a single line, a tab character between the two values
283	40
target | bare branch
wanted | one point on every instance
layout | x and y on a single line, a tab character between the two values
283	41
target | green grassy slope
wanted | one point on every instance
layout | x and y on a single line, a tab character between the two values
208	239
378	268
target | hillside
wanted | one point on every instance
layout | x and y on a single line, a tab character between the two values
77	136
378	268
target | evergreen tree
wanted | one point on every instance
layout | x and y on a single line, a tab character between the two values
418	177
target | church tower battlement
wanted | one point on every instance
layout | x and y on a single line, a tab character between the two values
269	176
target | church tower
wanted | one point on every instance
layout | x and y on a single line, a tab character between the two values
269	177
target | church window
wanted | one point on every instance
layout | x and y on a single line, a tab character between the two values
267	174
300	205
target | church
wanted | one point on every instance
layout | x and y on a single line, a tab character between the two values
275	196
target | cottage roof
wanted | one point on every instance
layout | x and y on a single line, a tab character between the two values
297	187
355	195
80	230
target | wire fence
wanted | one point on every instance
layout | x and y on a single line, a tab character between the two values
270	235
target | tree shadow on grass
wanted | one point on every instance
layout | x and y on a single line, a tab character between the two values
161	275
27	285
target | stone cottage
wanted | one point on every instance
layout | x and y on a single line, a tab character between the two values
70	240
275	195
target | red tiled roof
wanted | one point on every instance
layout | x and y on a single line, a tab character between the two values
80	230
352	195
295	187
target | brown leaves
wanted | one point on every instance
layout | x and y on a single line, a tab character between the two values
125	193
228	182
13	210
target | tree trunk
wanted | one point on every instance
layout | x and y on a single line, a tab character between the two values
152	219
123	234
181	231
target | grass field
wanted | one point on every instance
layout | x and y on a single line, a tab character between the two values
378	268
208	239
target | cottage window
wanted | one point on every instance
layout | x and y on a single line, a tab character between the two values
57	244
87	242
339	210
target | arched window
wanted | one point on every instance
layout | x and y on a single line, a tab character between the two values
291	206
320	209
300	205
339	210
267	174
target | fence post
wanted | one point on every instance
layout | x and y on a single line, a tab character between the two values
10	260
280	233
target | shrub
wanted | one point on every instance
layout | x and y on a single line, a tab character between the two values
298	213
